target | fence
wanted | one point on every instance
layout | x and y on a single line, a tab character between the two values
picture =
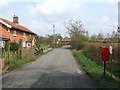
10	56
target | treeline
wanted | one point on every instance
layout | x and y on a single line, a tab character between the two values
90	46
105	38
52	40
48	39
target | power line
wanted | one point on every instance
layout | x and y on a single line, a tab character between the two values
45	18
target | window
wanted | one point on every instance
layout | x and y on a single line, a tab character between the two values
33	43
8	30
30	35
14	33
29	45
24	34
2	44
24	44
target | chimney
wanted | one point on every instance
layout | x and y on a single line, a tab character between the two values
15	19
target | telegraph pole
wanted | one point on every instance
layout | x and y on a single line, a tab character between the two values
65	39
118	30
53	35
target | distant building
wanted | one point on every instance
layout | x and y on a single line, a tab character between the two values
13	32
66	40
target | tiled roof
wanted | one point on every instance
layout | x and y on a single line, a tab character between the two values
66	39
17	26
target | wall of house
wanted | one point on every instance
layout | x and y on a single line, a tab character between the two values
12	37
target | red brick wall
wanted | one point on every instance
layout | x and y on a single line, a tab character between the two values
12	37
10	34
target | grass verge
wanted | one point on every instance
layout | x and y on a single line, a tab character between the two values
95	71
20	62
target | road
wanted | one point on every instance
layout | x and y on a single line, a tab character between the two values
56	69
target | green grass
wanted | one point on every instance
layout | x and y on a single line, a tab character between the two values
95	71
20	62
44	46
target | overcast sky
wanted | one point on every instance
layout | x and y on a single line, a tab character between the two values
97	16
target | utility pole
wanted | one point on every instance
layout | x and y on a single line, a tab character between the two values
53	35
65	39
118	30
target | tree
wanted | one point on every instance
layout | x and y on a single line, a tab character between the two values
20	47
114	36
93	38
108	36
100	36
49	38
39	40
75	28
77	33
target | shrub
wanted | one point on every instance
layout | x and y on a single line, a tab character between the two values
92	51
14	47
79	43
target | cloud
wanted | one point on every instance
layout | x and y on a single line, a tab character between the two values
104	24
43	28
55	7
57	11
4	3
66	0
51	6
105	19
40	27
32	10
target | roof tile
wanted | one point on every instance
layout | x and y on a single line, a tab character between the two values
17	26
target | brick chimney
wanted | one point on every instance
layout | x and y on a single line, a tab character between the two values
15	19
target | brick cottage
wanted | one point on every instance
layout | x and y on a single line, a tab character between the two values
13	32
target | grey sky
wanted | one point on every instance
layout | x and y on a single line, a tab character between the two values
40	16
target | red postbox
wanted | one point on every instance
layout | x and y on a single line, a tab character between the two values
105	53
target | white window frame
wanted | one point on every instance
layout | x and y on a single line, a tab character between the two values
28	43
14	33
24	34
8	30
30	35
23	44
33	43
2	44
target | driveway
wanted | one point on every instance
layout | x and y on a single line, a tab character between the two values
56	69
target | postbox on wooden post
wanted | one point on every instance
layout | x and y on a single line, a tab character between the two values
105	55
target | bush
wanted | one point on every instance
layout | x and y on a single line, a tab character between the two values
96	72
14	47
79	43
92	51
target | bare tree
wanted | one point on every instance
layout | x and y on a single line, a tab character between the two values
93	38
75	28
100	36
77	33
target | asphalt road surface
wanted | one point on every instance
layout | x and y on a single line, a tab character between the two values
56	69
